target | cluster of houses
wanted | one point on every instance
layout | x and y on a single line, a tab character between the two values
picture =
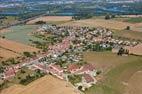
88	72
69	50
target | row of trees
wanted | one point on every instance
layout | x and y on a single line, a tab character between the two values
110	16
122	51
30	78
80	16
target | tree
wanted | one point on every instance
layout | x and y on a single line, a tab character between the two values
80	88
40	22
121	51
112	16
27	54
23	71
98	72
1	69
128	28
97	47
107	17
3	37
34	53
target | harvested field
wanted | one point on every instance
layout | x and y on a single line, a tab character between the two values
44	85
51	19
16	47
111	24
5	54
137	50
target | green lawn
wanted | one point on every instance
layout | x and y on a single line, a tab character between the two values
21	33
74	79
123	69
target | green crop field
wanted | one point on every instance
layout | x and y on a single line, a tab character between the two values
21	34
119	70
134	20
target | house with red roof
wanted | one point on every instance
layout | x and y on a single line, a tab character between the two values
41	67
88	80
56	70
87	68
9	73
72	68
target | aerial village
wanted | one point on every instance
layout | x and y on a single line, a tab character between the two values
64	59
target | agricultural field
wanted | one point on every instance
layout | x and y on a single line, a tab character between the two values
43	85
21	33
8	20
132	35
11	49
134	81
111	24
16	47
6	54
52	19
134	20
117	73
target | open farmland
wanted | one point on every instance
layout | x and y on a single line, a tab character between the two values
16	47
117	71
111	24
107	60
133	82
21	33
51	19
134	20
128	34
44	85
6	54
8	20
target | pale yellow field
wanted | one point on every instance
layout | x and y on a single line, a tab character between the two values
51	19
111	24
45	85
16	47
